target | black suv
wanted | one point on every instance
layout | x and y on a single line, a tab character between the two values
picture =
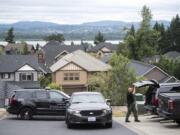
88	108
29	102
153	92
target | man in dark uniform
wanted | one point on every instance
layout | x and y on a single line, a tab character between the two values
131	104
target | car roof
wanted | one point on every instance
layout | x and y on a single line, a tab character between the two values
63	93
20	90
81	93
169	84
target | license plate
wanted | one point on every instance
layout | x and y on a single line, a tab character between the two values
91	119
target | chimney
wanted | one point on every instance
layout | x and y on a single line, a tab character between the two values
41	57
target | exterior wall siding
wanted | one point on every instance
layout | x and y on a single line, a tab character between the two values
35	75
10	79
71	67
156	74
58	78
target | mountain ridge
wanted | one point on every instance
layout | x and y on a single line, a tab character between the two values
39	29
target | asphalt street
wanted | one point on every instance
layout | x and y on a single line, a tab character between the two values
56	126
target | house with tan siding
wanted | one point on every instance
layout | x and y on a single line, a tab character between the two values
102	49
74	69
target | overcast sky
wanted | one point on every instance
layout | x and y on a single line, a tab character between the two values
79	11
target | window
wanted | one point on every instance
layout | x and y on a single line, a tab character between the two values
55	95
71	77
26	76
76	76
66	76
23	94
41	94
5	76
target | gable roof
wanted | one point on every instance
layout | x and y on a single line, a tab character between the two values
82	59
11	63
53	48
172	54
110	46
140	68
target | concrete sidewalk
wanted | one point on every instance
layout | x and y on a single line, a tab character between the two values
2	112
150	126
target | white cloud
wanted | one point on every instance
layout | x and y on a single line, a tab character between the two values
78	11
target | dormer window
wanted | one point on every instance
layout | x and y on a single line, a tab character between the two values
26	76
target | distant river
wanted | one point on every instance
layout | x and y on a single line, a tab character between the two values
68	42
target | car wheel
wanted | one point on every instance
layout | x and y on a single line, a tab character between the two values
69	125
178	122
109	125
26	114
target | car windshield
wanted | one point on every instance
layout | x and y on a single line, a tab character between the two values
87	98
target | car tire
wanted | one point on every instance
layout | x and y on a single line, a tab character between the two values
109	125
178	122
26	113
69	125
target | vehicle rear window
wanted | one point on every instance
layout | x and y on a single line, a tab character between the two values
23	94
41	94
139	98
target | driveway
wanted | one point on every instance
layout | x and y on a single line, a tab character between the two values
56	126
151	125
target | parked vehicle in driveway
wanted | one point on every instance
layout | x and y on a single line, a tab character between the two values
29	102
169	106
140	103
153	91
88	108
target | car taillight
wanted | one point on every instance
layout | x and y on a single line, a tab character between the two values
155	101
13	100
170	105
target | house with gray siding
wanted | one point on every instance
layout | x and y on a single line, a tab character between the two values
16	72
19	68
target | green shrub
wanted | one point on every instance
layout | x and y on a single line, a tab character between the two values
55	86
44	80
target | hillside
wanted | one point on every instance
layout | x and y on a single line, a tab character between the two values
37	30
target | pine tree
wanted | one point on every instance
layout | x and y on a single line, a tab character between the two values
143	41
37	47
10	36
99	38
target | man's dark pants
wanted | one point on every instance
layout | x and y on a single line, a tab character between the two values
132	108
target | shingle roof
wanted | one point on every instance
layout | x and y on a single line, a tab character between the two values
82	59
110	46
26	85
139	67
53	48
11	63
172	54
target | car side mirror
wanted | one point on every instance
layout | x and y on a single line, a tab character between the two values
66	100
108	101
